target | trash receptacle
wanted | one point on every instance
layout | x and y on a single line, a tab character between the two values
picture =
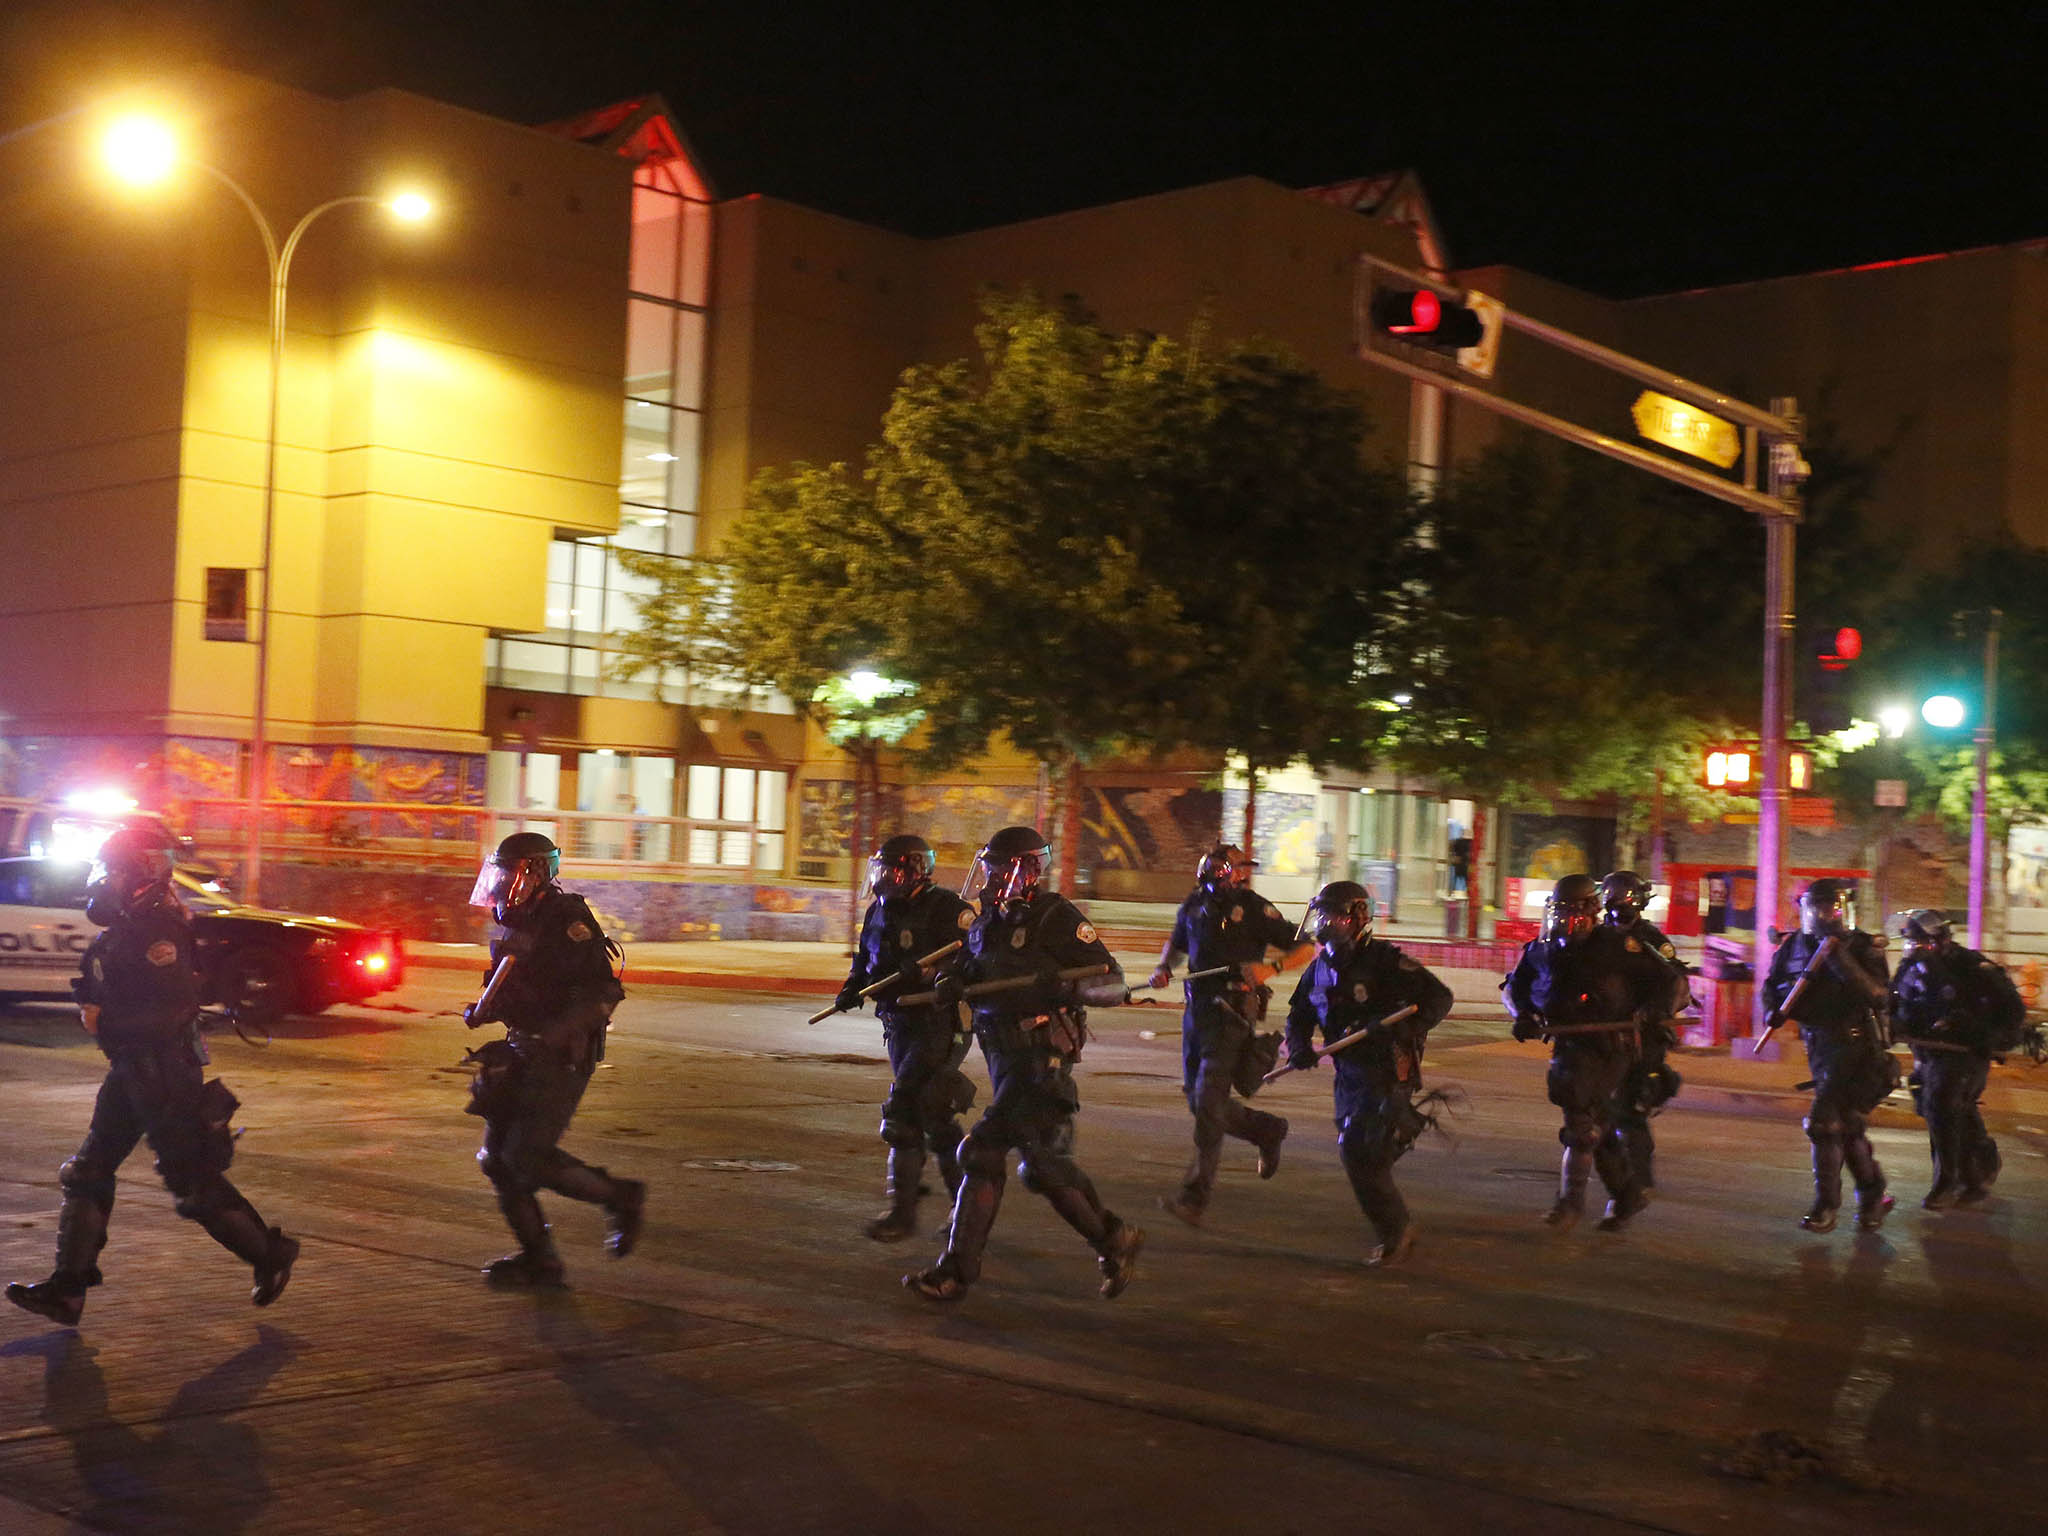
1729	1001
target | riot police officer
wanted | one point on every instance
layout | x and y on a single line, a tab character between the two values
553	986
1651	1082
1590	989
1224	922
1830	979
1956	1009
1030	1031
1354	983
138	996
910	918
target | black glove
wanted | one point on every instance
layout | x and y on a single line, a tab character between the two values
947	991
848	1000
471	1018
1529	1026
910	978
1303	1060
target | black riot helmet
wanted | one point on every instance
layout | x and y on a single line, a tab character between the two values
515	874
131	870
1009	868
1225	867
1339	919
901	867
1828	906
1926	929
1572	910
1623	895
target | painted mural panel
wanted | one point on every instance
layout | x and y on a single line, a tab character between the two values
1284	830
1148	828
1547	848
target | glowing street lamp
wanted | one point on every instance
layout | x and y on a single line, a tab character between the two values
142	150
1944	712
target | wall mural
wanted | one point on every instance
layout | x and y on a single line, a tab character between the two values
1283	830
1148	828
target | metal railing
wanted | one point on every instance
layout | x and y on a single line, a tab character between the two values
337	832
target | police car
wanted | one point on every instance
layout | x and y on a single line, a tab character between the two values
263	964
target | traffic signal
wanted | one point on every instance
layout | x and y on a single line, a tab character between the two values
1737	766
1423	316
1464	329
1827	693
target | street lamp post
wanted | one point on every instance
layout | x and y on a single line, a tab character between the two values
142	150
1986	733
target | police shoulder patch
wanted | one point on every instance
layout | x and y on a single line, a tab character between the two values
965	919
162	952
1635	946
1272	911
580	930
1086	932
1667	952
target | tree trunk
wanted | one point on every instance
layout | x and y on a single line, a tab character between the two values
1251	812
1473	900
867	772
1656	860
1069	834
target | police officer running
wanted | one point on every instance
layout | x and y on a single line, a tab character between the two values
554	988
1590	989
1224	922
910	918
1030	1034
1957	1010
138	997
1651	1082
1830	979
1354	983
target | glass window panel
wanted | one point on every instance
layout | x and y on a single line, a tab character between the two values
657	224
645	462
736	849
682	443
702	802
583	662
696	284
650	350
689	361
774	801
768	853
533	664
739	794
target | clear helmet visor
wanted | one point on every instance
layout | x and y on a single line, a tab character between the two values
501	886
1001	883
1569	923
889	879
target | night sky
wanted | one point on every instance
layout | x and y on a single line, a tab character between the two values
1625	148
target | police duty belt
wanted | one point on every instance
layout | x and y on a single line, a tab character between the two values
925	962
1348	1041
1008	984
1920	1043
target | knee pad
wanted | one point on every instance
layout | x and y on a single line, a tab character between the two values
982	1158
903	1134
949	1093
500	1170
86	1182
1579	1135
1823	1127
1042	1171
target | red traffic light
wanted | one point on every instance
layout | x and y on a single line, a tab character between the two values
1421	315
1848	643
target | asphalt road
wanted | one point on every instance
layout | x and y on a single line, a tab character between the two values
758	1368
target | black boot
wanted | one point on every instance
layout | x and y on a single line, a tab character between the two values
900	1219
1827	1187
274	1270
1572	1174
61	1298
1117	1256
623	1218
1269	1147
536	1263
1872	1206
